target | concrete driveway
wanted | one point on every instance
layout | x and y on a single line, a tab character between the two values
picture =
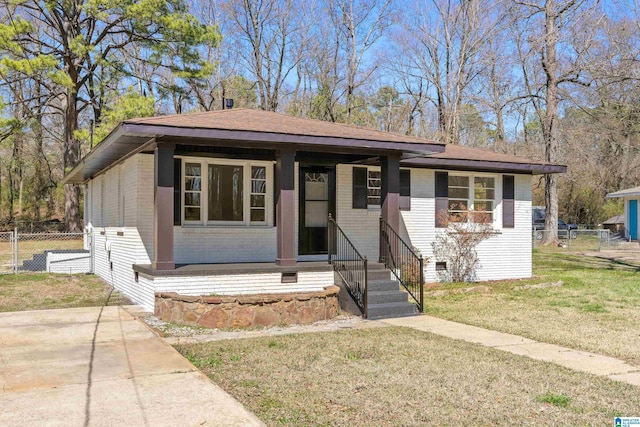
102	367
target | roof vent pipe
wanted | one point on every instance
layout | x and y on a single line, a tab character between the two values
228	103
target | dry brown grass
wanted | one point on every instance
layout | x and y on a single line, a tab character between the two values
597	309
402	377
44	291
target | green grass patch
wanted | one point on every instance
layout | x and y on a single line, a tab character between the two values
560	303
594	308
559	400
597	309
393	376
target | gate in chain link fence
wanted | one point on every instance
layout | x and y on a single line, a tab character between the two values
45	252
583	240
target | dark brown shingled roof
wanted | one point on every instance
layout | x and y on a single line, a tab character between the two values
461	152
245	128
243	119
468	158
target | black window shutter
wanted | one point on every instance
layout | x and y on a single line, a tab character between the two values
405	182
508	202
275	195
405	189
442	197
177	191
360	191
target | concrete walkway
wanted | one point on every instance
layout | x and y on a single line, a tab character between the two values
99	367
583	361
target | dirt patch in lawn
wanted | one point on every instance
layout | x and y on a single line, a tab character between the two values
596	309
46	291
398	376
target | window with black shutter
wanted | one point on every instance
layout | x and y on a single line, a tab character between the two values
405	189
177	189
508	201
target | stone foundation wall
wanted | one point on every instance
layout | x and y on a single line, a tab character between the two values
247	310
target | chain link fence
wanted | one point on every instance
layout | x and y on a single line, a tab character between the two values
586	240
56	252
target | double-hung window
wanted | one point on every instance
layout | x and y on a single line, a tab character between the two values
374	188
484	194
258	194
230	192
192	191
367	188
474	194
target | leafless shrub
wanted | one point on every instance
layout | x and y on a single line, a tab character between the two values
457	243
410	271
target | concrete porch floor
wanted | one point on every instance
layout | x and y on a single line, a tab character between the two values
100	366
234	268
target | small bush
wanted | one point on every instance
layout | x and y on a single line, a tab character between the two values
457	243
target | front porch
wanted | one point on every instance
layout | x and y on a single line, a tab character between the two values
271	211
194	270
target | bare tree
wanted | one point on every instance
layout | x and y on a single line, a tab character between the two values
360	25
270	39
555	18
442	40
497	88
323	69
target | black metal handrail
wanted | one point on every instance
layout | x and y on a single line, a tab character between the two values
405	264
350	265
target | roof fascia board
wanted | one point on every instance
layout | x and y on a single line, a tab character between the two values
532	168
617	195
151	143
102	146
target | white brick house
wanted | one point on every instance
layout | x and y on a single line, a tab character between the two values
237	201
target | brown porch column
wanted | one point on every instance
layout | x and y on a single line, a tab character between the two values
163	208
390	198
285	208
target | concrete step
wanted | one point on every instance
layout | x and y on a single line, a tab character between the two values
383	285
375	266
386	296
390	309
378	274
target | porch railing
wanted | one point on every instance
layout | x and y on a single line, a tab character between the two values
405	264
349	264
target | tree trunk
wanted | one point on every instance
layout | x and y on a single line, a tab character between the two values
550	128
500	143
16	171
71	157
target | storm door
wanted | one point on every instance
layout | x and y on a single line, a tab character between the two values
317	200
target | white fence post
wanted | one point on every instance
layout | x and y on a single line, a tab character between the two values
15	233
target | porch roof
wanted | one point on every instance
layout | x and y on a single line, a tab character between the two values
244	128
468	158
629	192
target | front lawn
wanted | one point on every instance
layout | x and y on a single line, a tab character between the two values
403	377
19	292
597	309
